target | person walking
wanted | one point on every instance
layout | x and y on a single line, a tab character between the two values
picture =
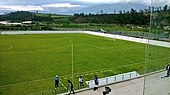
96	82
81	82
71	87
168	70
56	81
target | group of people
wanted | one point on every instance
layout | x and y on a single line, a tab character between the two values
81	83
70	84
96	81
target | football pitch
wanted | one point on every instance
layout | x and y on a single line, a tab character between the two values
29	63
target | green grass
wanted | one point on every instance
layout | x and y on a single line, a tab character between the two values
41	57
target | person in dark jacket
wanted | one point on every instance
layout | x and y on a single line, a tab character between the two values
56	81
71	87
168	70
96	82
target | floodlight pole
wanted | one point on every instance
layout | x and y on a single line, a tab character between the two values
72	61
147	53
55	92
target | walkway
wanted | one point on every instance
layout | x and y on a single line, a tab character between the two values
139	40
155	85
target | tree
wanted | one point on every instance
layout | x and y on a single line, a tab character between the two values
146	10
124	12
121	17
82	14
101	11
133	11
160	8
120	12
153	8
165	8
141	12
149	8
114	11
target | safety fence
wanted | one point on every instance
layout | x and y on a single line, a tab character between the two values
113	79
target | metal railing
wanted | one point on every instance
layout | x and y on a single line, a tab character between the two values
113	79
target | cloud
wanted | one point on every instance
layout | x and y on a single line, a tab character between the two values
61	5
161	2
140	1
38	7
65	5
148	2
20	7
101	1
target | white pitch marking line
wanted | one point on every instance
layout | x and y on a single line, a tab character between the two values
106	51
79	73
105	71
128	65
65	78
10	46
63	85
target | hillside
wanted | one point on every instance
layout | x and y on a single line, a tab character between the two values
132	20
20	16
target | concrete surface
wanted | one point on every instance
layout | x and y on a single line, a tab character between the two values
133	39
139	40
154	85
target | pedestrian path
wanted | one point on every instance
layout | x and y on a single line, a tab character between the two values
154	85
139	40
133	39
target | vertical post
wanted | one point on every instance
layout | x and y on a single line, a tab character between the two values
123	77
147	52
106	80
84	28
72	61
115	79
88	84
55	92
78	86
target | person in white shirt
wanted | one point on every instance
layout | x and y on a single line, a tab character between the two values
81	82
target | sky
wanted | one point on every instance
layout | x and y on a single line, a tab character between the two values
64	5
